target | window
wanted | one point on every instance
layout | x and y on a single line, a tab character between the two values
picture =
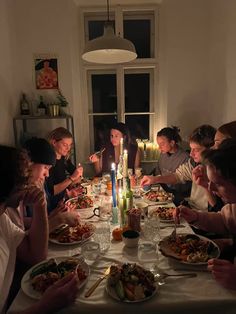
122	92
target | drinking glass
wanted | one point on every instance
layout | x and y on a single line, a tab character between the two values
106	208
151	228
102	235
148	255
90	251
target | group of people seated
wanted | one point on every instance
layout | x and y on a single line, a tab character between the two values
36	180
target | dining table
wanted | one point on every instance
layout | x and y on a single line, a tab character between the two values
200	294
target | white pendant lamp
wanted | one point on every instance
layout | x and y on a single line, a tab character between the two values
109	48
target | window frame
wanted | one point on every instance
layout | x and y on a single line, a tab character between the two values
145	65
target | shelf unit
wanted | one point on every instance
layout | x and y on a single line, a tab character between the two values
21	122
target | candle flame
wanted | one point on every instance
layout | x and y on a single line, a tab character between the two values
113	166
125	151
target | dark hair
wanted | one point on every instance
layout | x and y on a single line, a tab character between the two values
203	135
40	151
172	133
124	130
223	159
14	170
228	129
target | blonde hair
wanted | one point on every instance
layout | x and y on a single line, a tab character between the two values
58	134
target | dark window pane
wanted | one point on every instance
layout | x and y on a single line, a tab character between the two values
138	126
137	92
96	28
104	93
102	125
139	32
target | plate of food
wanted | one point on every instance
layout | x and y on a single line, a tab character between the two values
165	213
130	283
189	249
66	235
81	201
157	197
41	276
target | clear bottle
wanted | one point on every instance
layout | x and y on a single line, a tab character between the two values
42	108
24	105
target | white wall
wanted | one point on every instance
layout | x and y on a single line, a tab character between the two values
197	68
185	72
6	99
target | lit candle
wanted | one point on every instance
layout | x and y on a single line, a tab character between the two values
121	145
113	181
141	148
125	164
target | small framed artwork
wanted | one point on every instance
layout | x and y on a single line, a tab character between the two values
46	72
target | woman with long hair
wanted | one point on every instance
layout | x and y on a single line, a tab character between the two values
64	174
111	150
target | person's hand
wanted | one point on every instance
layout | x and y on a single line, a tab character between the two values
61	207
224	272
74	191
35	197
70	218
77	174
187	213
147	180
94	158
200	177
60	294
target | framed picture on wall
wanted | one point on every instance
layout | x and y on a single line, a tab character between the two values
46	72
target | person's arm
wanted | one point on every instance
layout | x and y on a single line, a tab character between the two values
97	163
169	179
34	246
59	295
200	178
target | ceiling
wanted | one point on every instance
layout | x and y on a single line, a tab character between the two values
112	2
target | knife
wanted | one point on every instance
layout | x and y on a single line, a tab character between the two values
96	284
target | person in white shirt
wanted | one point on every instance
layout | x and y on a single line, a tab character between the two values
28	247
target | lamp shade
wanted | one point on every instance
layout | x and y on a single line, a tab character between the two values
109	49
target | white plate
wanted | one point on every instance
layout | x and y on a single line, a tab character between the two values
169	254
75	242
26	283
74	199
152	212
111	292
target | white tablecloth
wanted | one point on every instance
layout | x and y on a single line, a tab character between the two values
200	294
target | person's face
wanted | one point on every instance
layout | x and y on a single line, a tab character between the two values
165	145
39	172
115	137
196	151
62	147
221	187
219	137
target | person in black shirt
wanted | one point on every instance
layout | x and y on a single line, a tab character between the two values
64	174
